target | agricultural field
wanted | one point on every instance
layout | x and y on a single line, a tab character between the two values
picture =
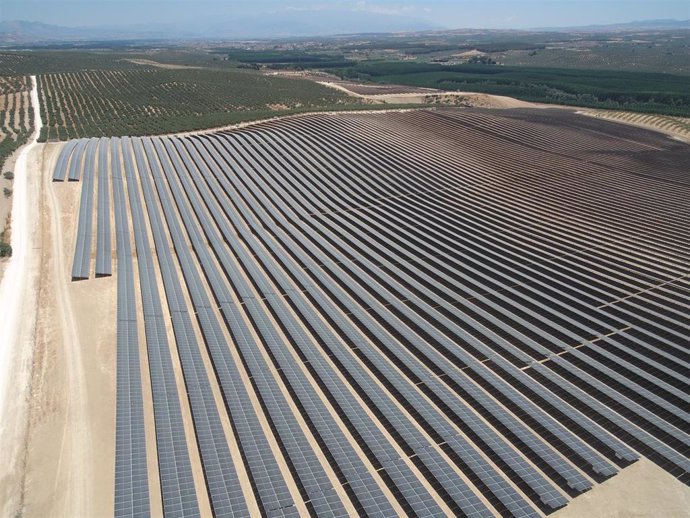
15	114
52	61
644	71
283	58
374	89
660	93
150	100
644	54
422	313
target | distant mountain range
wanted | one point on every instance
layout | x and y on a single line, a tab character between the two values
19	32
279	25
640	25
285	24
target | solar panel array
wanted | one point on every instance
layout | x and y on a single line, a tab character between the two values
468	313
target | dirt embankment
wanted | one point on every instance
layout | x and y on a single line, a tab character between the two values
429	97
677	127
157	64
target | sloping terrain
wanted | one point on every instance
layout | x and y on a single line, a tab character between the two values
427	313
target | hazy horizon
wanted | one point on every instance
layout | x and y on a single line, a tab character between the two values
504	14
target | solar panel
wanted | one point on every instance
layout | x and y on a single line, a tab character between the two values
177	481
227	498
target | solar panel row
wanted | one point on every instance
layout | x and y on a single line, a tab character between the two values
426	353
349	150
77	162
294	377
63	161
480	466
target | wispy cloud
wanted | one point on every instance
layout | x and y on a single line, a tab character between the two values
399	10
359	6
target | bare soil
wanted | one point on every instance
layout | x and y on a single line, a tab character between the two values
61	447
159	65
642	490
398	94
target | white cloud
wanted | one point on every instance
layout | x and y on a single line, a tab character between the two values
359	6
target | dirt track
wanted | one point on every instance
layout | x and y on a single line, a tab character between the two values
18	300
61	461
58	424
19	296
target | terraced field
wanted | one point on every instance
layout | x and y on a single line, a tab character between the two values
462	313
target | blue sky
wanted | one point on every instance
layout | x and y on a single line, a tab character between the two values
446	13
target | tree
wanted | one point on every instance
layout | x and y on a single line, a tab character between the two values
5	249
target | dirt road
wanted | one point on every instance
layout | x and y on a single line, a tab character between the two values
18	295
56	370
15	290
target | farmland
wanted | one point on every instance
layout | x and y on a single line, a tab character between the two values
425	313
670	54
152	101
664	51
15	114
633	91
679	125
144	89
53	61
644	71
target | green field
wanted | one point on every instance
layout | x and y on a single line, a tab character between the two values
16	115
44	62
287	58
634	91
631	57
150	101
